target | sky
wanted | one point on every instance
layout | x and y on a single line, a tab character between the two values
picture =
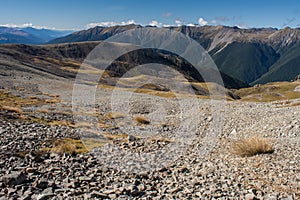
77	15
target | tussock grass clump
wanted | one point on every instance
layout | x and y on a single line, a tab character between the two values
115	136
73	146
54	95
43	111
33	97
68	145
295	104
141	119
252	146
115	115
12	109
52	100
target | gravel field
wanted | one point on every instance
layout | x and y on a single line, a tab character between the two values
104	173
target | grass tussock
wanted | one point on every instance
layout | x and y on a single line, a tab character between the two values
33	97
115	136
295	104
54	95
252	146
43	111
142	120
68	145
103	125
115	115
52	101
12	109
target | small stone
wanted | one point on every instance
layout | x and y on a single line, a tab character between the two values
14	178
209	119
85	178
27	195
112	196
271	197
96	194
109	191
30	170
131	138
175	190
287	198
250	196
45	196
42	183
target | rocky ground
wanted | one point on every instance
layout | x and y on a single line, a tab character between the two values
181	159
27	173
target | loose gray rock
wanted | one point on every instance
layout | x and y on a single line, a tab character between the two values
14	178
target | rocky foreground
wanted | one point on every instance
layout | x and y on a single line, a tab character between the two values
27	173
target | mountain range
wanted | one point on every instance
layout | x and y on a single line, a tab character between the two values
257	55
244	56
29	35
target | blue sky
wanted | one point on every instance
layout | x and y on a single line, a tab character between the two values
75	14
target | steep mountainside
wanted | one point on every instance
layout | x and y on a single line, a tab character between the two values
253	56
93	34
64	60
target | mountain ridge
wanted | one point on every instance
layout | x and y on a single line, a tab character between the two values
256	55
64	60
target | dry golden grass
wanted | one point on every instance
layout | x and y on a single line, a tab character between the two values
83	124
8	99
168	94
12	109
52	100
141	119
115	115
91	143
252	146
33	97
270	92
43	111
74	146
54	95
65	146
295	104
115	136
103	125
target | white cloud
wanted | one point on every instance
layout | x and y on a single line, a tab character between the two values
202	22
109	23
242	26
178	22
26	25
156	23
190	24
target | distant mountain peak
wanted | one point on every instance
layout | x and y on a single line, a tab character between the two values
29	35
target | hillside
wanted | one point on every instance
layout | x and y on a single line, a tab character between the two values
64	60
257	55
